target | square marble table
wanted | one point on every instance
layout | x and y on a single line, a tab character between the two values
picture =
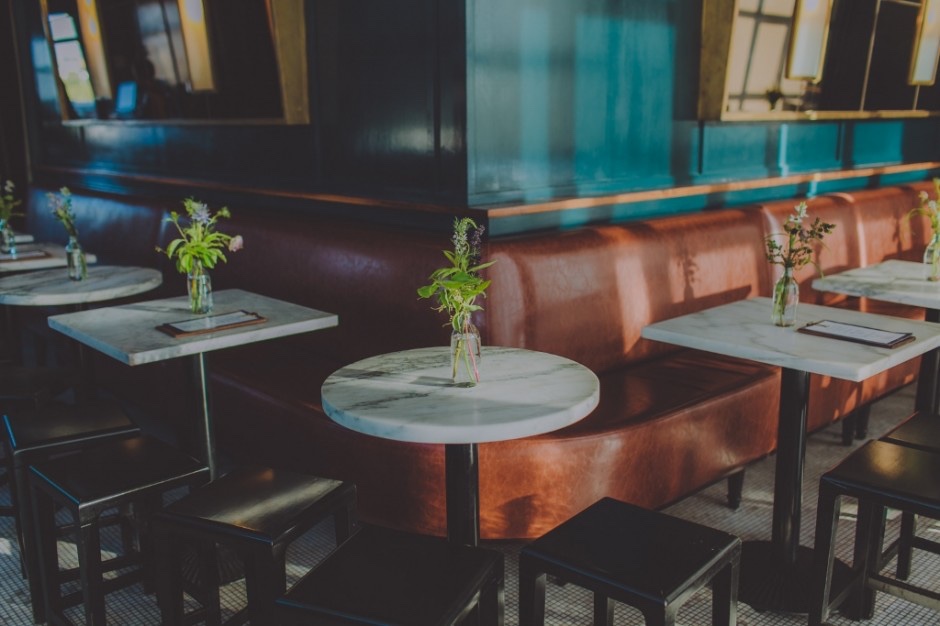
129	334
38	256
901	282
776	575
410	396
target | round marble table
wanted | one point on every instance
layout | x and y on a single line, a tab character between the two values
409	396
54	288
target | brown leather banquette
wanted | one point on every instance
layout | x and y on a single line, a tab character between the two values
670	420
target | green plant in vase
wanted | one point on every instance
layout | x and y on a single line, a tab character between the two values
928	208
198	249
8	203
456	288
795	252
62	210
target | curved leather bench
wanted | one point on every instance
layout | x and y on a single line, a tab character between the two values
670	420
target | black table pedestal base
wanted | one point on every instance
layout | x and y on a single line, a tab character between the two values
766	585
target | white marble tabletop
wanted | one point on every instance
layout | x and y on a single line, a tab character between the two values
22	237
53	255
901	282
409	396
54	287
129	332
743	329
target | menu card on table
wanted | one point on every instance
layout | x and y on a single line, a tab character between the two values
28	254
856	333
211	323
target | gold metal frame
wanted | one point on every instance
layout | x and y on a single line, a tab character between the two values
718	25
926	43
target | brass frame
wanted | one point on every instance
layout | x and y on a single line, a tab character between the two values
718	23
289	32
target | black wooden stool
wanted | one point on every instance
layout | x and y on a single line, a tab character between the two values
384	577
648	560
879	474
137	471
921	431
40	434
27	388
257	512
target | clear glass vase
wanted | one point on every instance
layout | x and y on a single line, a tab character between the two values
465	355
932	259
785	298
199	288
75	257
7	238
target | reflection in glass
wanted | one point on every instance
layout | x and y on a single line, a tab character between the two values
810	31
926	45
70	60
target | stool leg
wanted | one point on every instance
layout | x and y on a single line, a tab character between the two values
168	584
603	610
531	594
665	617
827	523
208	557
44	557
868	538
725	593
265	580
492	601
735	489
905	545
344	519
89	563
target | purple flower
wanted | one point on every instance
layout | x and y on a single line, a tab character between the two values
200	212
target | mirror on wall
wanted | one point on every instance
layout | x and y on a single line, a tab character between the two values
819	59
161	60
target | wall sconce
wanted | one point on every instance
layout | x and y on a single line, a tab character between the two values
808	39
926	45
196	39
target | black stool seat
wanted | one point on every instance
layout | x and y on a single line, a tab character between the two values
879	474
921	430
257	512
135	471
381	576
648	560
31	436
34	384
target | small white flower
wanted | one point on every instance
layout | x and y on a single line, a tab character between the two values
8	186
236	243
923	196
800	213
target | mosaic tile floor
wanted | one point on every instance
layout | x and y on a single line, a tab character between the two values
567	605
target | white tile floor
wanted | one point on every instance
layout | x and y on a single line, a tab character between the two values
568	605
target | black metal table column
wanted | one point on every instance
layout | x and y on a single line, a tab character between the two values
462	493
775	575
206	434
927	392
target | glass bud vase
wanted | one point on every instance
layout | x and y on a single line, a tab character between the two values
199	288
932	259
75	256
7	238
465	355
786	297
